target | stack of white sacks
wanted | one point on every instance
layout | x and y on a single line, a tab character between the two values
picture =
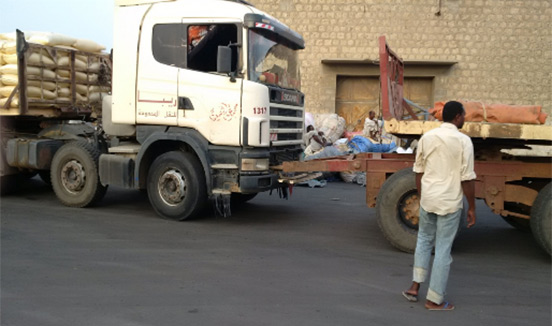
51	69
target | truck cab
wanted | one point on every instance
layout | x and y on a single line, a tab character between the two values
217	82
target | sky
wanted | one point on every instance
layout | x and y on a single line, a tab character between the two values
88	19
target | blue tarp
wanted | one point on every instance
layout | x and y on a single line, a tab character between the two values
361	144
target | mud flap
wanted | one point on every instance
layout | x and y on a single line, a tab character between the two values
221	202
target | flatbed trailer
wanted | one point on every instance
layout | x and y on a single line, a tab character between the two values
517	188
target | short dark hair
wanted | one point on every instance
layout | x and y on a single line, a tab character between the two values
451	110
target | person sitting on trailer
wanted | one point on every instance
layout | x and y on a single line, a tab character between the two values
371	129
314	141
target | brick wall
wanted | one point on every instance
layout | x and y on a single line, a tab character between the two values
503	48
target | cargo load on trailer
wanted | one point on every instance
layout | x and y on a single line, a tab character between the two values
55	75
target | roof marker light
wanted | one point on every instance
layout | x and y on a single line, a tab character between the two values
265	26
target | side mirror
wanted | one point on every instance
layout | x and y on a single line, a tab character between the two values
224	60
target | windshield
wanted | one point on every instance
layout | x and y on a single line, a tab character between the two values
271	62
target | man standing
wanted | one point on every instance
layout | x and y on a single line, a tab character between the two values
444	171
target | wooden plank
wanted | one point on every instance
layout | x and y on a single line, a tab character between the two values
482	130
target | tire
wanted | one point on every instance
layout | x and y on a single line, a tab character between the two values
176	186
74	175
541	216
397	209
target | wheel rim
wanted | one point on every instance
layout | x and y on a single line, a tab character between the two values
172	187
409	209
73	176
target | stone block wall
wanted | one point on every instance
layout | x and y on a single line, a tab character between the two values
502	48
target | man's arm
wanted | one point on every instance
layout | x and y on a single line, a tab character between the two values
468	178
318	140
469	190
323	138
419	183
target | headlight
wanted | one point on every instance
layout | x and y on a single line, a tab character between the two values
254	164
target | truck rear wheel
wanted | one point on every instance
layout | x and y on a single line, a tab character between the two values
176	186
541	216
74	175
397	210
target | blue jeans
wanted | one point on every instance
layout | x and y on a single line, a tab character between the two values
438	230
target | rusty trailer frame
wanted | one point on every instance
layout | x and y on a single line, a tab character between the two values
495	183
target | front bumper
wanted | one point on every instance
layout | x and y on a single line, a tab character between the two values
258	183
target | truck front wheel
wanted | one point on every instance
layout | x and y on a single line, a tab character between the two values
176	186
397	209
541	216
74	175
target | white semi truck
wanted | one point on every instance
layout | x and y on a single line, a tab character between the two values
200	99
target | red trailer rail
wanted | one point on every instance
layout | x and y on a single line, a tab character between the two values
392	82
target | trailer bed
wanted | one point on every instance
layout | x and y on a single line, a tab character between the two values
530	134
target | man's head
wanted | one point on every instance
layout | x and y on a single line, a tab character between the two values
371	115
454	113
310	128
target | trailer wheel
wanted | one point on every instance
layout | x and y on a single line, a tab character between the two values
541	216
176	186
397	210
74	175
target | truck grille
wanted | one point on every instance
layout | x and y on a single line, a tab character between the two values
286	125
286	117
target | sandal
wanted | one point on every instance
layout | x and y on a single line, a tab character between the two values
410	297
445	306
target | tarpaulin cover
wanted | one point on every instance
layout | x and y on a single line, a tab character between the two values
361	144
500	113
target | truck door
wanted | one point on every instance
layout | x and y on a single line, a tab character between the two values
207	101
162	52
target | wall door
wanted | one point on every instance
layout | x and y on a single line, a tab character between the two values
420	91
356	96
